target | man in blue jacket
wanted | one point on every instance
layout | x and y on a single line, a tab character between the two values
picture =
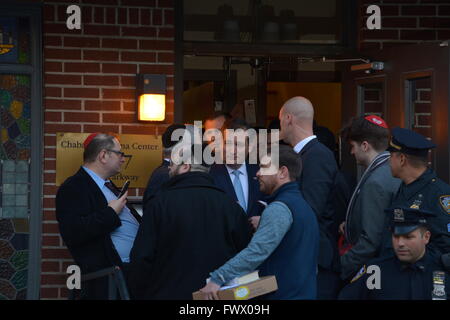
286	242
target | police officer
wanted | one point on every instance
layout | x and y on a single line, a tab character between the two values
420	187
412	273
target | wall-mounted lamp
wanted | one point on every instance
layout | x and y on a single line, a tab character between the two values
151	97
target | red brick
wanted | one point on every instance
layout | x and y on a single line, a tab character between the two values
155	68
107	2
128	81
138	32
49	12
62	104
49	293
48	202
443	35
99	15
380	34
444	10
138	56
81	67
51	164
81	117
62	79
119	118
119	43
166	57
168	17
53	279
388	10
62	54
52	92
156	44
52	228
138	129
86	14
50	190
423	120
49	177
145	16
133	16
81	42
398	23
63	293
100	55
52	116
101	105
157	17
58	28
111	15
418	35
422	108
166	32
81	93
50	266
123	16
50	141
52	66
103	30
50	216
419	10
139	3
126	94
387	44
435	23
101	128
52	41
129	106
101	80
119	68
61	13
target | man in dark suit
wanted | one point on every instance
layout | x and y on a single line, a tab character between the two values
97	227
161	174
238	179
316	183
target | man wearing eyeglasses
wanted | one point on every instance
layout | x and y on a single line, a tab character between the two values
97	226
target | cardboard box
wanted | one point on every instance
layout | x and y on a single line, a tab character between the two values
245	291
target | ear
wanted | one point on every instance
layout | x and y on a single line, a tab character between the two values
427	236
365	146
283	172
102	156
402	159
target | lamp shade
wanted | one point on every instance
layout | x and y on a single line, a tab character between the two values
152	107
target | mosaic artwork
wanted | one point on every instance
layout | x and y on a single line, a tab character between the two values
14	40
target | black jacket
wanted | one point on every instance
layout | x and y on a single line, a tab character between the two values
159	176
189	229
316	184
85	223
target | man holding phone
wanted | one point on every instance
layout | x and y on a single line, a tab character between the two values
96	225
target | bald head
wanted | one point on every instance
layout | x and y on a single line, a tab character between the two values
300	108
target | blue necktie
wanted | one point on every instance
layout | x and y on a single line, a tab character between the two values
238	189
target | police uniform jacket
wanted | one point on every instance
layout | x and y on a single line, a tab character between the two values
399	281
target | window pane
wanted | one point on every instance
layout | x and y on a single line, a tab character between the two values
14	40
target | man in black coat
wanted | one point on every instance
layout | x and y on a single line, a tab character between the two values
316	183
190	228
92	221
161	174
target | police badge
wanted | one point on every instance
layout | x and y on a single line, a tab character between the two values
438	286
445	203
399	216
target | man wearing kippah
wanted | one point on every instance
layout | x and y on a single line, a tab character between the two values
420	188
97	226
365	217
412	273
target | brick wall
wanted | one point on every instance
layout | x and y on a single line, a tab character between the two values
405	21
89	86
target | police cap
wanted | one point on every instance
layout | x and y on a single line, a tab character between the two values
409	142
404	219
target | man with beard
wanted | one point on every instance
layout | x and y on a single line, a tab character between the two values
189	228
286	241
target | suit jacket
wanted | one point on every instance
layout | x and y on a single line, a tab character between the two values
316	183
85	223
158	177
222	180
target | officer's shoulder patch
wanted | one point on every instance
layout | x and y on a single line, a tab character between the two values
445	203
360	273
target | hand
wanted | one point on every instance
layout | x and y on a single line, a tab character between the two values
254	221
210	291
118	204
342	228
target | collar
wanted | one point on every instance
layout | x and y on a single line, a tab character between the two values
414	187
242	169
420	265
98	180
293	185
299	146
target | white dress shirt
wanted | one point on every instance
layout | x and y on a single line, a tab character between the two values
243	178
299	146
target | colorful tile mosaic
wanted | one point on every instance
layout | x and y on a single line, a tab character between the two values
6	250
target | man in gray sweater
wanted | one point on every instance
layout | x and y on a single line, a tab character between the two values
365	217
